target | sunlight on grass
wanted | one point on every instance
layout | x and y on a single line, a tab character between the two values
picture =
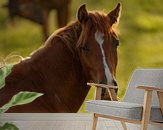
149	22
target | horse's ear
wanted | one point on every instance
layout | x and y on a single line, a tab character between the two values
82	14
114	14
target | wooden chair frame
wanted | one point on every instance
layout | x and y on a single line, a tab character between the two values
146	106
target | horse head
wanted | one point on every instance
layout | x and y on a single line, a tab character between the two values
97	45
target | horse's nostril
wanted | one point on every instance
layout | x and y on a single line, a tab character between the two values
115	84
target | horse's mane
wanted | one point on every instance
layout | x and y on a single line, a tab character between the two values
68	35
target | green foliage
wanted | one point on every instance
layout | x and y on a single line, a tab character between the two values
8	126
20	99
4	72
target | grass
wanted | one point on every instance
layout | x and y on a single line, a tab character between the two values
140	30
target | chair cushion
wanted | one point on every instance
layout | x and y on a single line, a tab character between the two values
131	111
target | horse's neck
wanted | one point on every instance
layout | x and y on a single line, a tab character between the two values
66	71
20	75
54	70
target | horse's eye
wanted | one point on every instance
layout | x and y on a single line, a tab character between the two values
84	48
117	43
115	40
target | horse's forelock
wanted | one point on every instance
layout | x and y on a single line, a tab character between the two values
100	21
97	20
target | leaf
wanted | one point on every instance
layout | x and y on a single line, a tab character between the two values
21	98
4	72
8	126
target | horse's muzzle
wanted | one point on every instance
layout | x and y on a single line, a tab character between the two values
115	84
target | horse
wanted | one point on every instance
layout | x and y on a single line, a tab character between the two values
38	11
83	51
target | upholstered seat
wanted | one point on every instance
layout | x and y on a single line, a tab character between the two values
126	110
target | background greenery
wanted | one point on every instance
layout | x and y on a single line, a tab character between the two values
140	30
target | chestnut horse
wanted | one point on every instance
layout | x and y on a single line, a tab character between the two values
38	11
85	50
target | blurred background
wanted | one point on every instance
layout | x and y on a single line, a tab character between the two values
140	32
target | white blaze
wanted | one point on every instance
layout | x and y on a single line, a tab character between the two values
100	40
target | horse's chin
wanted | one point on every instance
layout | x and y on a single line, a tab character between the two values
104	92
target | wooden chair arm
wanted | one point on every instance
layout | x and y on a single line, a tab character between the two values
148	88
99	89
148	100
146	107
103	85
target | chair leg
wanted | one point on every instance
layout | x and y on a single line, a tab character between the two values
146	110
94	123
124	125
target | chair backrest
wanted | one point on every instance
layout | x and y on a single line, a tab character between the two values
143	77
